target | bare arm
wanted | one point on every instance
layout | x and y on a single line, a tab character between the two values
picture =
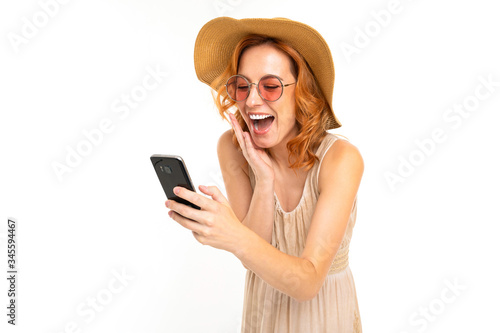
302	277
255	209
217	225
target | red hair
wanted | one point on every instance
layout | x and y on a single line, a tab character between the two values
311	108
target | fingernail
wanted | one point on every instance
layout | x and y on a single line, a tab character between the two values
167	204
176	190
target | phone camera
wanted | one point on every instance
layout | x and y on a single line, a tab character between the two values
166	169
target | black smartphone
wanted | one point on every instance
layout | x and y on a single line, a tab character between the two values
172	172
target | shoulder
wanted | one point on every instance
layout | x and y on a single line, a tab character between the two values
226	146
228	152
340	150
225	140
342	162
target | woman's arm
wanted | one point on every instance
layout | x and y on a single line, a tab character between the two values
302	277
217	225
254	209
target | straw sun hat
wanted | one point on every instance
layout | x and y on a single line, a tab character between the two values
217	40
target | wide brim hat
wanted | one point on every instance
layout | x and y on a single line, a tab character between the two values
218	38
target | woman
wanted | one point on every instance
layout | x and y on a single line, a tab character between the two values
291	186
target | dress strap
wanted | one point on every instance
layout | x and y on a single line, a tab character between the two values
323	148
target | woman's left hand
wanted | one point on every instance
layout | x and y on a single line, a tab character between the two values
215	224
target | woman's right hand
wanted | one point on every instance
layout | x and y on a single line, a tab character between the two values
256	157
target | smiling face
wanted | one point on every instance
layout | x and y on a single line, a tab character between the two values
270	123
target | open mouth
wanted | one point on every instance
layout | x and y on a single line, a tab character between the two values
261	123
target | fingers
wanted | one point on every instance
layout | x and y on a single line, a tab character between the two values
244	139
187	215
214	192
238	131
185	211
255	156
192	197
249	145
185	222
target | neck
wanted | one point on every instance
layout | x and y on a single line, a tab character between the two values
279	153
279	156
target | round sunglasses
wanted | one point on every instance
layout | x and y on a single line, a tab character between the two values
270	88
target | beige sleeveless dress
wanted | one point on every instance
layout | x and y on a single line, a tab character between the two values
335	308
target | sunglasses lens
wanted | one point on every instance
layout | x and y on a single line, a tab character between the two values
237	88
270	88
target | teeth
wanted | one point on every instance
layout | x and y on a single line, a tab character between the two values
260	116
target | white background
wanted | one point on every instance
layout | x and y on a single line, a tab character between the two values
107	216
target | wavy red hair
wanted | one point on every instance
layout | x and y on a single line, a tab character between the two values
311	108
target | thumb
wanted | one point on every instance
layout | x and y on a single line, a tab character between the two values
214	192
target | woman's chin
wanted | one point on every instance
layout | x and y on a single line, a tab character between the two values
264	141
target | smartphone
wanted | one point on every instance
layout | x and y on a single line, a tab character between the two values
172	172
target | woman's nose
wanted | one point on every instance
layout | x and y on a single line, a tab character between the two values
254	98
